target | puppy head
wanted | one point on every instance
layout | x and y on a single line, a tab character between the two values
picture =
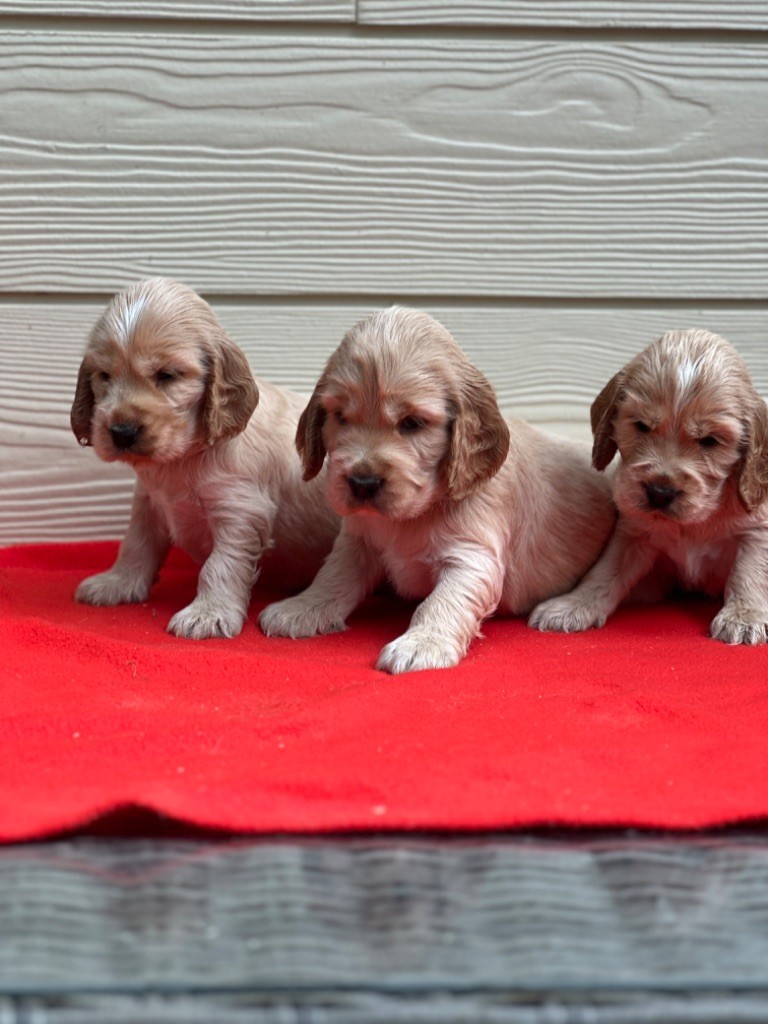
686	419
160	378
404	417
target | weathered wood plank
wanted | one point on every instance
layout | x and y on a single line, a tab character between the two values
342	1007
220	10
461	167
665	14
504	917
546	363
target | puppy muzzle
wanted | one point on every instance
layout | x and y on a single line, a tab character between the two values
364	488
660	495
125	435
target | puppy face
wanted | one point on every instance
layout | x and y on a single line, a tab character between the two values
404	417
160	378
686	419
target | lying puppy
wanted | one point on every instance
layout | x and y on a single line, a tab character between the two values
163	388
691	487
434	497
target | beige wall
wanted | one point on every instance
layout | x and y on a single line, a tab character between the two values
557	182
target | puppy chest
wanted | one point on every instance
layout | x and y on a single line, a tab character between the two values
410	576
188	526
705	567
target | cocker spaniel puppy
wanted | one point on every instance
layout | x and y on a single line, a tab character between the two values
691	487
163	388
438	494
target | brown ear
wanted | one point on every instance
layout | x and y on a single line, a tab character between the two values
231	394
309	436
82	407
753	482
479	436
602	415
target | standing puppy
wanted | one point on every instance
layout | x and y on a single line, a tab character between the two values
691	487
163	388
434	496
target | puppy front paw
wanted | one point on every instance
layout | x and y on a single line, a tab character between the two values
566	614
739	625
417	650
296	617
202	621
110	588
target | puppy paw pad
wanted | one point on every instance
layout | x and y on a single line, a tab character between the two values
417	652
731	627
109	588
296	619
195	623
564	615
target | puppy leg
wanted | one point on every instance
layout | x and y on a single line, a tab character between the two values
241	529
138	561
468	590
350	572
625	561
744	616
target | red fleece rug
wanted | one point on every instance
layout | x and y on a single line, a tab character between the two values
645	722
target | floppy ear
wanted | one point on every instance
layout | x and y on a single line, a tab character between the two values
82	407
602	415
231	392
753	481
309	436
479	436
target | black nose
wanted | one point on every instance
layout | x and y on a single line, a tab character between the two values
365	486
660	495
124	434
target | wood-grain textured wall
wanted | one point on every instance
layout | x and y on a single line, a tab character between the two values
557	182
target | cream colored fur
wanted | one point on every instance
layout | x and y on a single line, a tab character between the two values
216	475
685	417
472	514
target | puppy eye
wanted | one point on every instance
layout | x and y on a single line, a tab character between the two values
165	376
341	419
709	441
104	376
642	428
410	425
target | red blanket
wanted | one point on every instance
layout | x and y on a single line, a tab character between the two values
645	722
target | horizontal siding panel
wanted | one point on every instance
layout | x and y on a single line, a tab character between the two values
669	14
269	165
664	14
547	364
221	10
